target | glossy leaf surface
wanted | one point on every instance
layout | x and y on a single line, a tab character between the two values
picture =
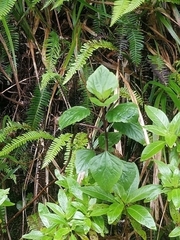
72	116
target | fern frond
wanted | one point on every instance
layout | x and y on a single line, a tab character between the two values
47	77
52	46
55	147
23	139
130	37
10	128
136	41
122	7
80	142
85	52
159	68
5	7
54	3
35	112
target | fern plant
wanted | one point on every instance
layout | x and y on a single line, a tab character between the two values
130	36
23	139
35	112
122	7
80	141
85	52
5	7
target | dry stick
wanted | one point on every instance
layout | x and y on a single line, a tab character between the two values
12	65
141	120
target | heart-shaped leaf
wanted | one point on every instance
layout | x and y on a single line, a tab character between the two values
106	169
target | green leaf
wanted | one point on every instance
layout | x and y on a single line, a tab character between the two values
99	210
42	210
175	214
98	192
137	227
74	188
125	112
62	232
158	117
82	159
132	130
158	131
174	125
142	216
151	149
129	182
106	166
55	208
170	139
148	192
173	196
163	168
72	116
63	200
115	211
33	235
98	225
113	138
102	83
175	232
105	103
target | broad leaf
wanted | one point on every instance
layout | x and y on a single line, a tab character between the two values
170	139
151	149
113	138
82	159
175	232
42	210
62	232
106	169
74	188
63	200
163	168
158	117
132	130
128	181
174	125
137	227
34	235
102	83
105	103
148	192
125	112
173	196
115	211
98	225
99	210
56	208
156	130
142	216
72	116
99	193
175	214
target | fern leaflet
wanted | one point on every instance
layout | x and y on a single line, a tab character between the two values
10	128
121	7
80	142
5	7
47	77
85	52
55	147
35	112
23	139
52	45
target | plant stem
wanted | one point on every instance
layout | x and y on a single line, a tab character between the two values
105	128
